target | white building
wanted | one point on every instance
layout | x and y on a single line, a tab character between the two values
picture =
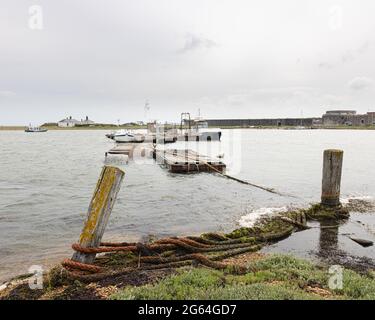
68	122
86	121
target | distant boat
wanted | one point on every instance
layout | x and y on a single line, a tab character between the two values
35	129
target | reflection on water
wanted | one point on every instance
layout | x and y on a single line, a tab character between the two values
46	182
328	238
330	243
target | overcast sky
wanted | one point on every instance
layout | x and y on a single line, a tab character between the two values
237	59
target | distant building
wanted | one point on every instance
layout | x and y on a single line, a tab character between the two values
348	118
329	119
86	122
68	122
276	122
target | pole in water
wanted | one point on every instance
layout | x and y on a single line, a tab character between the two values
100	209
331	181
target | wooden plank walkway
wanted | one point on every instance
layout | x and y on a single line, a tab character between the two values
128	149
187	161
175	160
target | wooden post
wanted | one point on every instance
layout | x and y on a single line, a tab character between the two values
332	169
99	211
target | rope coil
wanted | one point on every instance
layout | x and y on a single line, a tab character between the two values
173	252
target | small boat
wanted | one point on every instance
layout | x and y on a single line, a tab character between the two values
197	129
126	137
114	133
35	129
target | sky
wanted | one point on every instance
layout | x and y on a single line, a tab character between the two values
224	59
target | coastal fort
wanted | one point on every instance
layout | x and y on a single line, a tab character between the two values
331	118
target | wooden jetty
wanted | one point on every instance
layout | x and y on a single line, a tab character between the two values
128	149
187	161
175	160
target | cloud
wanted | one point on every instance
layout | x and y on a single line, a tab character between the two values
6	93
350	56
364	47
194	42
325	65
360	83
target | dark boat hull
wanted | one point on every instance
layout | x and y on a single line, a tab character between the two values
35	131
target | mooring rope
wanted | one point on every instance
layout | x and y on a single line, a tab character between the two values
154	260
172	252
271	190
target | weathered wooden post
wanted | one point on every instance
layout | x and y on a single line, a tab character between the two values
332	169
99	211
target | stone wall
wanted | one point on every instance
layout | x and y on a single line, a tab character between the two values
330	118
306	122
367	119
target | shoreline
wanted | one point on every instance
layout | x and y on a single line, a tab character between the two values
267	276
128	127
55	128
243	265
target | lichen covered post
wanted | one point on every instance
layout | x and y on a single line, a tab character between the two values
332	169
99	210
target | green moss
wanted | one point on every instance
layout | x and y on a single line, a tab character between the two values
240	233
249	240
267	229
214	236
322	212
117	259
56	277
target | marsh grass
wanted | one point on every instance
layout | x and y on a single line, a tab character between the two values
275	277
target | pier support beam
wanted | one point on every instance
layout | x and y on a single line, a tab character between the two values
332	169
100	209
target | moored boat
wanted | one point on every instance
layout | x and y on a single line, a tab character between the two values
126	136
35	129
198	130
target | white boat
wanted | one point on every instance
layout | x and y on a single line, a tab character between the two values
205	133
197	130
113	133
122	136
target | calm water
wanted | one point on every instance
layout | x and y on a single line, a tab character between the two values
46	182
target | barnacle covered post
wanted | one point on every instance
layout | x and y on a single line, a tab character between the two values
332	169
99	210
